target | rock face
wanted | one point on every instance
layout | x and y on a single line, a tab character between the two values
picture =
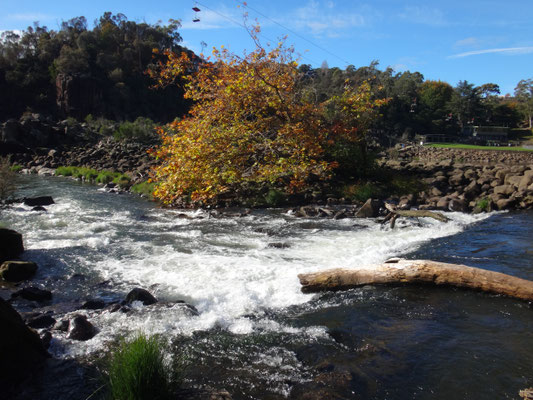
77	95
11	245
80	329
16	271
21	348
142	295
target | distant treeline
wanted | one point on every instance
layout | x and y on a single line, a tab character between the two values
77	71
420	106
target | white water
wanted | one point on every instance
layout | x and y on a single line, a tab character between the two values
223	266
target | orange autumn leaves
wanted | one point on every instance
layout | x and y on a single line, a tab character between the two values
249	123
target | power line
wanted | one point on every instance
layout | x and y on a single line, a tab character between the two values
242	25
293	32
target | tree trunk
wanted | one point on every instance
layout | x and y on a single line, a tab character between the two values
419	272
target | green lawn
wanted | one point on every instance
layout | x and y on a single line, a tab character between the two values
471	146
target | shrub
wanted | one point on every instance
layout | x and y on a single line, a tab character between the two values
7	179
142	129
483	204
105	177
122	180
137	370
275	198
16	168
144	189
65	171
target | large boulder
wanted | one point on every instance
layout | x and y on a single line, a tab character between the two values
39	201
80	329
21	348
142	295
370	209
11	245
33	293
16	271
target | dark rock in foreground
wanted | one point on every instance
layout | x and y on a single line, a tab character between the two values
11	245
21	348
80	329
16	271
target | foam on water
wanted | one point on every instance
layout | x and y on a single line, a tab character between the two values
225	267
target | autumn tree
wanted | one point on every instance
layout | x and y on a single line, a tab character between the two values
249	124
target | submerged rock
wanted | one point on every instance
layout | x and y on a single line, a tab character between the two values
33	293
16	271
80	329
39	201
142	295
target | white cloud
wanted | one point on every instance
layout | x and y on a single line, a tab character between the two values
508	51
424	16
325	19
30	17
467	42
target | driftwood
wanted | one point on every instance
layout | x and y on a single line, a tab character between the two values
418	271
394	213
526	394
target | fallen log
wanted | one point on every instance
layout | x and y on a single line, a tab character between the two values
394	213
418	272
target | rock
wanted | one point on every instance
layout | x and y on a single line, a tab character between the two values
279	245
20	347
457	205
93	305
370	209
46	171
443	203
61	325
340	215
46	339
39	209
11	245
504	190
505	204
41	321
142	295
16	271
33	293
80	329
39	201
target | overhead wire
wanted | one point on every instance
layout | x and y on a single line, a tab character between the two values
246	5
245	27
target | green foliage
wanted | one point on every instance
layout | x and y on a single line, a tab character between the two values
144	189
108	61
122	180
16	168
362	191
105	177
275	198
7	179
142	129
137	370
483	204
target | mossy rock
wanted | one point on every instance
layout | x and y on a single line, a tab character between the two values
16	271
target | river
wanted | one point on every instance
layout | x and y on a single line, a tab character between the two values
256	334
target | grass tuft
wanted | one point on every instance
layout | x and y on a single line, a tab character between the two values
144	189
137	370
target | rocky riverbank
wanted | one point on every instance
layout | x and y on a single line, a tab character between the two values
468	180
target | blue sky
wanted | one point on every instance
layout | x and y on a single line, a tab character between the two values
480	41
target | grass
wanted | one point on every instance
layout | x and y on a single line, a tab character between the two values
137	370
475	147
144	189
94	176
16	168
